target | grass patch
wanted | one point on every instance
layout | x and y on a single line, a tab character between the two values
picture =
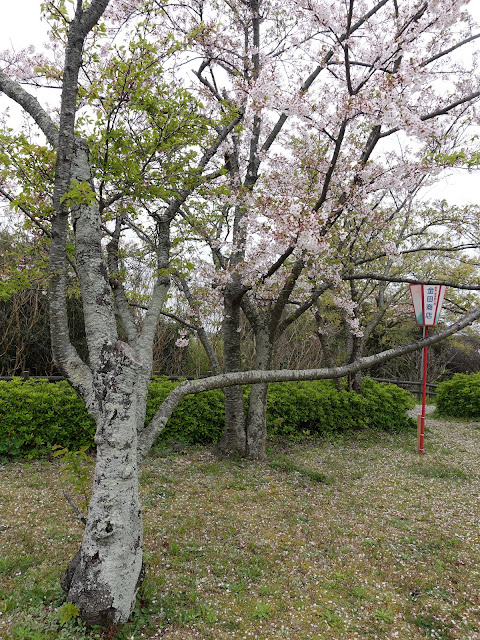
327	541
441	471
290	467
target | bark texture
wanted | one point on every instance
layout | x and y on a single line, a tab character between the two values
103	578
233	440
257	403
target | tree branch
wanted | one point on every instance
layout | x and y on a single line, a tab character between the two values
449	50
407	280
313	76
31	105
25	211
302	308
438	112
174	206
160	419
92	15
277	264
202	334
117	286
284	296
160	289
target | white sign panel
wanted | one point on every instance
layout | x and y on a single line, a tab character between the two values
427	303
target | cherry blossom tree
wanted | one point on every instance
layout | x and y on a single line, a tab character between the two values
343	103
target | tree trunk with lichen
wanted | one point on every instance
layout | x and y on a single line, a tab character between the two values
104	576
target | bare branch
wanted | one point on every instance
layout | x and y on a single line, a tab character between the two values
202	334
253	377
449	50
31	105
182	321
76	510
408	280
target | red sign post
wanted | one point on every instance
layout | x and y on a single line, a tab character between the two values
427	303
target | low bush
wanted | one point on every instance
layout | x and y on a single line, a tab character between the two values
296	408
35	415
460	396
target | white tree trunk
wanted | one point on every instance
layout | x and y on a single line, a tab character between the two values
103	578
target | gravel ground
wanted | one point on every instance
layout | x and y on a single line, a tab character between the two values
417	409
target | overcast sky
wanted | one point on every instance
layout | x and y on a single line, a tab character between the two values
21	26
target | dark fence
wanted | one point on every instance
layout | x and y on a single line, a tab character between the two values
26	376
415	386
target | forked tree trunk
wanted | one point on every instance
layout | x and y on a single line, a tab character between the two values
103	578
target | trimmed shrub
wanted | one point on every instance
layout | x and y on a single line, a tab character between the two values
36	415
460	396
318	408
388	406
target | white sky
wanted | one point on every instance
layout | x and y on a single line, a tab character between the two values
21	26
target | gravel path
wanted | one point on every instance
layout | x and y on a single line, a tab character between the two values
417	410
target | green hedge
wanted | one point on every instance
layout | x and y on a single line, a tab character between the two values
318	408
460	396
36	415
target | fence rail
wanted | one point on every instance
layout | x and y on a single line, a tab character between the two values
25	375
415	386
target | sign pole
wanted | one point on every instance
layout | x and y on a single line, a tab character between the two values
421	418
427	303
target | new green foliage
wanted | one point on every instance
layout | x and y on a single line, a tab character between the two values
35	416
76	471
